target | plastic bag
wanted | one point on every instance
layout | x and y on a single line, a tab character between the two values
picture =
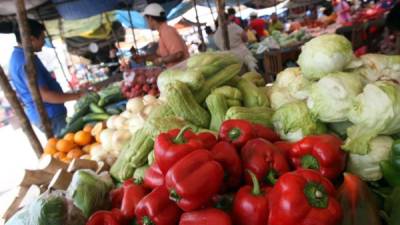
89	191
49	209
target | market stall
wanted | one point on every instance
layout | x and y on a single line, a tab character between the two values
221	147
207	142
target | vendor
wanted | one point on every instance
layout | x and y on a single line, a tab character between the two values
237	43
171	46
329	17
275	24
50	91
343	11
258	25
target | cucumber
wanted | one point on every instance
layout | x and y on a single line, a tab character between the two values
113	111
72	127
110	99
95	117
79	114
95	108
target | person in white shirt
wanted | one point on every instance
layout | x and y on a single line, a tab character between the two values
237	43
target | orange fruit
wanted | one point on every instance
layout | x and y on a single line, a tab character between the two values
69	137
75	153
88	128
97	138
65	159
51	142
59	155
50	150
98	128
86	148
83	138
65	145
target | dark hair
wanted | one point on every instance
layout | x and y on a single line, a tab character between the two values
328	11
231	11
162	18
35	27
209	30
393	18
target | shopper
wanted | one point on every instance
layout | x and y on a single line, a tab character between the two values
50	91
233	18
171	46
237	43
275	24
343	11
258	25
210	39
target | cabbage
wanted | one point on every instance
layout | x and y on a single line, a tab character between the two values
380	67
293	121
325	54
367	166
89	191
48	209
375	111
340	128
296	84
331	97
279	96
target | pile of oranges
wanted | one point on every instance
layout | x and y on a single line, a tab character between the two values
73	145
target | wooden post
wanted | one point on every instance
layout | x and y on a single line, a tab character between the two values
19	111
222	24
30	67
198	23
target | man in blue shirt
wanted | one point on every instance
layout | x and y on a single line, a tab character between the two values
50	91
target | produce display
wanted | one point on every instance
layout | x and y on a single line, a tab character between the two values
218	146
278	40
141	81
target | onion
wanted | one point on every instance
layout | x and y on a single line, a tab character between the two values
111	122
106	139
135	105
119	138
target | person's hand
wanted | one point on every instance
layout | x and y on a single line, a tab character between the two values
158	61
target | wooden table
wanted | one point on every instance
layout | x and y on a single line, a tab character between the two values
274	60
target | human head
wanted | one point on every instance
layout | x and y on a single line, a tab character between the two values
37	35
253	15
231	12
393	19
209	30
155	15
274	17
327	11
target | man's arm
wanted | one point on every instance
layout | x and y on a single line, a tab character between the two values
175	57
57	98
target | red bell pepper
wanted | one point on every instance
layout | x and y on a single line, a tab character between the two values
303	197
265	133
250	206
225	153
116	196
321	153
208	139
103	217
223	202
133	193
194	180
157	209
153	177
170	147
285	147
358	203
265	160
208	216
237	132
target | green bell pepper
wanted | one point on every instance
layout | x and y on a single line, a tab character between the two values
395	157
391	168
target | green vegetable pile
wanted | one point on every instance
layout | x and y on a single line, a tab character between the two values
95	107
209	91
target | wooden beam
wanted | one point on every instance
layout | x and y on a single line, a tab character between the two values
222	23
20	113
200	31
30	67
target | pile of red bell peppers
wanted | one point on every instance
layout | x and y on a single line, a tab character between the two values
246	176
